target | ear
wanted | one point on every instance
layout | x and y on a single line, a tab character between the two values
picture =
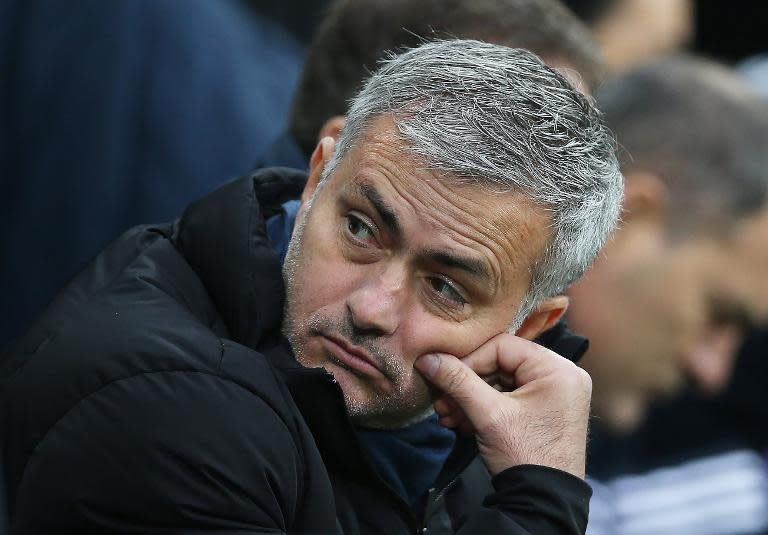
645	196
332	127
317	163
544	317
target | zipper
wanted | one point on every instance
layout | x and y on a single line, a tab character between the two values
433	498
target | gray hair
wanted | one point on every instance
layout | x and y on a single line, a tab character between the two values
700	128
355	34
497	117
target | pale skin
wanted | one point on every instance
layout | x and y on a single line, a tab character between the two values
646	305
425	320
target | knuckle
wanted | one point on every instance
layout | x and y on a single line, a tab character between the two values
507	338
586	379
511	342
584	383
575	378
546	355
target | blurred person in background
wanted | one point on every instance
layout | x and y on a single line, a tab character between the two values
356	34
737	410
115	113
630	32
730	408
693	136
699	459
670	300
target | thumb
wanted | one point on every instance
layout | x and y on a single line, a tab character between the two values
449	374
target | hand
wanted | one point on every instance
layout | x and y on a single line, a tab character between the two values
542	421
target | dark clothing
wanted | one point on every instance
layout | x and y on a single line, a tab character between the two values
693	425
707	453
157	394
409	459
280	228
117	113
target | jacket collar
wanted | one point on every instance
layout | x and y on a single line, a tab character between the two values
564	341
223	238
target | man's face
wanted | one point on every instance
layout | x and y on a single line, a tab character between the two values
655	314
750	247
391	262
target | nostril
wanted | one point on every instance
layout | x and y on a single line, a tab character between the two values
376	306
380	299
362	326
366	331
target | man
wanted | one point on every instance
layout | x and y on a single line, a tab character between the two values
157	392
669	296
668	301
356	34
352	38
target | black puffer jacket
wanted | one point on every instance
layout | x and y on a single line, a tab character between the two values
156	395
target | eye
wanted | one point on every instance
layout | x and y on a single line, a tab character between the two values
446	291
359	229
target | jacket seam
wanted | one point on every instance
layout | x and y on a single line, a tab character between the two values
222	348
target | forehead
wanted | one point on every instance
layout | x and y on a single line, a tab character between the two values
506	231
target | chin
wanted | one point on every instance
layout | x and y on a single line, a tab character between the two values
374	410
389	421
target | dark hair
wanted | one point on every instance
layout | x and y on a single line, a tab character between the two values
699	127
356	34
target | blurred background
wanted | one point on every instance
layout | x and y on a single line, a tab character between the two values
119	113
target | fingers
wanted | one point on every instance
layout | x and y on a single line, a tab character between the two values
543	421
515	360
451	415
457	380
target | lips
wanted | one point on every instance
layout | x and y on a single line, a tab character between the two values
350	356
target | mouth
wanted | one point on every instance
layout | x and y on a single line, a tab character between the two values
350	357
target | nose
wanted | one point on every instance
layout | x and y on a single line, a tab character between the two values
375	306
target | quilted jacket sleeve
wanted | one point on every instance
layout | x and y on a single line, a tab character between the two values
169	451
532	499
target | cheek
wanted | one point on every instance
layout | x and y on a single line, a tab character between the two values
323	280
323	275
423	334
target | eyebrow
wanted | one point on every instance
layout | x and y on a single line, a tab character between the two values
387	214
472	266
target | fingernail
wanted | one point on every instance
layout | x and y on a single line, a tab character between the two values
428	364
